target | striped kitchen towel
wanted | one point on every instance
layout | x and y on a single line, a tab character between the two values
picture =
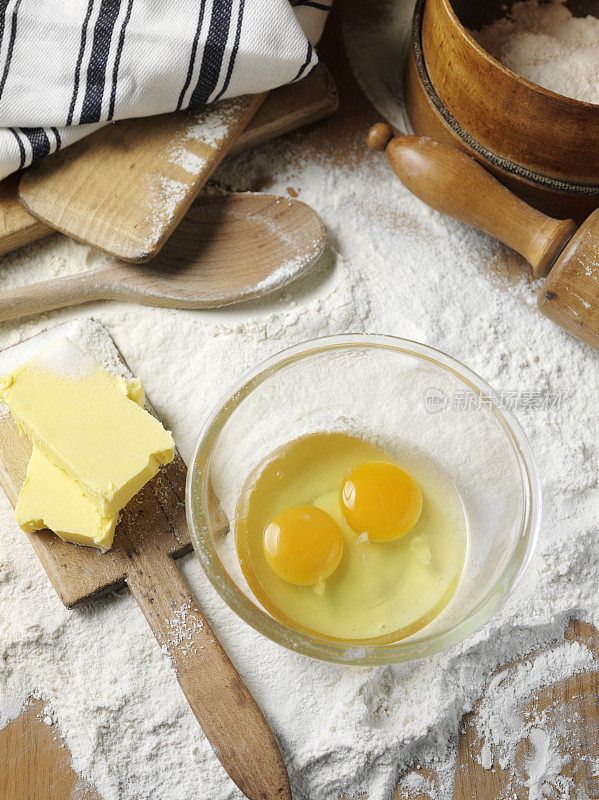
66	68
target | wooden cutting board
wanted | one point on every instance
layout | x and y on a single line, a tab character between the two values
35	763
151	534
569	710
284	109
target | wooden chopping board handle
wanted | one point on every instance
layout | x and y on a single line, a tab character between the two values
220	700
455	184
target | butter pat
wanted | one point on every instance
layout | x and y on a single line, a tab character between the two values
85	422
51	499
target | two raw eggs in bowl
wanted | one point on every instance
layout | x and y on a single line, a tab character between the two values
363	499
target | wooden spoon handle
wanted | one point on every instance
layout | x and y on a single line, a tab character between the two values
221	702
457	185
35	298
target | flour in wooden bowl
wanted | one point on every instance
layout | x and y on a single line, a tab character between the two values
545	43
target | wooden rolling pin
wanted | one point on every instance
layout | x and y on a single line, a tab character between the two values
455	184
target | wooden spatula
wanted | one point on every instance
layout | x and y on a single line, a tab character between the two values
151	534
285	109
125	188
455	184
227	249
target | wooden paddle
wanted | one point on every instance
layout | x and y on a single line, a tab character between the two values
285	109
455	184
125	188
151	534
227	249
17	226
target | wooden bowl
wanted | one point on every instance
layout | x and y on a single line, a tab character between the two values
543	145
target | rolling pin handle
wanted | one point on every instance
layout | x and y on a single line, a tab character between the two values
379	136
455	184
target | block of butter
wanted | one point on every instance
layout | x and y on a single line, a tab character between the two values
51	499
78	415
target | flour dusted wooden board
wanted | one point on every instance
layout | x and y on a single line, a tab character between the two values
79	573
568	711
124	188
35	763
285	109
152	531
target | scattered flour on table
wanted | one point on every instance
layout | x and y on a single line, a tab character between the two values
391	266
545	43
520	732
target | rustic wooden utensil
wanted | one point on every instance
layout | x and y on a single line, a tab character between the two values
227	249
125	189
151	534
285	109
455	184
17	226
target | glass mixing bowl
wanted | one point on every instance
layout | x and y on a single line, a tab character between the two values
408	395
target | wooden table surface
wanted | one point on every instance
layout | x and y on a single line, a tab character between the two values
34	762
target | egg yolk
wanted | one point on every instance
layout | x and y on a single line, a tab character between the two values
380	499
303	545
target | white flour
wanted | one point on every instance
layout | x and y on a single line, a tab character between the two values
505	727
392	266
545	43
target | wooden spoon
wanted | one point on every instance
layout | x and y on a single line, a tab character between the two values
227	249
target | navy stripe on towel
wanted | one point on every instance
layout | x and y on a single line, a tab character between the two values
3	7
234	53
311	4
11	45
194	49
96	70
305	64
57	137
214	52
21	148
117	61
38	139
79	60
